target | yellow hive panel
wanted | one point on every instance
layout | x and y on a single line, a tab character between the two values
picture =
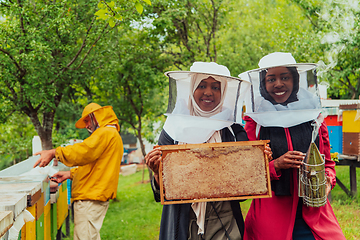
28	231
47	222
351	121
62	208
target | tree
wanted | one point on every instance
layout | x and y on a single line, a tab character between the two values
255	28
189	29
336	30
47	51
133	81
43	49
233	33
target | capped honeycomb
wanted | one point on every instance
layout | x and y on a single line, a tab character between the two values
214	172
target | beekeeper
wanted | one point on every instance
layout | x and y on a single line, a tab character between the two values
283	107
204	106
95	178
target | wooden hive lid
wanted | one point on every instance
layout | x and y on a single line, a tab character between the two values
349	106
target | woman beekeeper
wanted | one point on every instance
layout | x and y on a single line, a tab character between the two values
206	110
284	107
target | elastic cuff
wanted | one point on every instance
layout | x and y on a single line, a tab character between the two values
273	173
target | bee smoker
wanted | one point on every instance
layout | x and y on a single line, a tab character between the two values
312	178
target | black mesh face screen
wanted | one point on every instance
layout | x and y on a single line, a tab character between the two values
172	95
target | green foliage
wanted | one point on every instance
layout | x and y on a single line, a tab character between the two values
336	32
16	140
62	137
43	53
188	28
256	28
233	33
55	57
68	112
132	79
114	13
48	52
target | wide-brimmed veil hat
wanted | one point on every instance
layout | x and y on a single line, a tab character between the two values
307	106
210	68
90	108
180	124
281	59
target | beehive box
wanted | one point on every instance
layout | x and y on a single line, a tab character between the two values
351	143
214	172
351	129
62	205
6	221
336	138
351	118
333	120
28	231
32	189
351	121
15	202
47	221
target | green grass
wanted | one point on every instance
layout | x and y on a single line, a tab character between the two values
342	173
135	215
347	209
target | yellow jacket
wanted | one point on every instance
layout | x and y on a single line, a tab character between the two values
98	159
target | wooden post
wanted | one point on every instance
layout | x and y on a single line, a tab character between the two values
353	184
59	234
353	162
342	186
67	225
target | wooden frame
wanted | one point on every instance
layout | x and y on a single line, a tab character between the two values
167	149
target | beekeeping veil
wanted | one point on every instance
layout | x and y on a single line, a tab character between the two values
185	122
303	105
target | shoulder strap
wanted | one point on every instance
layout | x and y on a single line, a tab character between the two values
226	233
238	133
257	130
232	132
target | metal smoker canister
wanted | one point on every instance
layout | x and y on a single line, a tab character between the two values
312	178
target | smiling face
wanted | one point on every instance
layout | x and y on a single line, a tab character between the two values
279	83
208	94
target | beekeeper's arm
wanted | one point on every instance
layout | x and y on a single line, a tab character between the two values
87	151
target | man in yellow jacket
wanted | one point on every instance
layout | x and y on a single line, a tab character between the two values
95	179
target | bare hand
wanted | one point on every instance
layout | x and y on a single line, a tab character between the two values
153	159
268	152
45	157
291	159
60	176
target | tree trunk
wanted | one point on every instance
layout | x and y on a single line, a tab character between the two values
45	130
142	146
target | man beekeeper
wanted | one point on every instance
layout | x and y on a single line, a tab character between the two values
95	178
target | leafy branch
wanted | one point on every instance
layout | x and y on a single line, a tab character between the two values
112	14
